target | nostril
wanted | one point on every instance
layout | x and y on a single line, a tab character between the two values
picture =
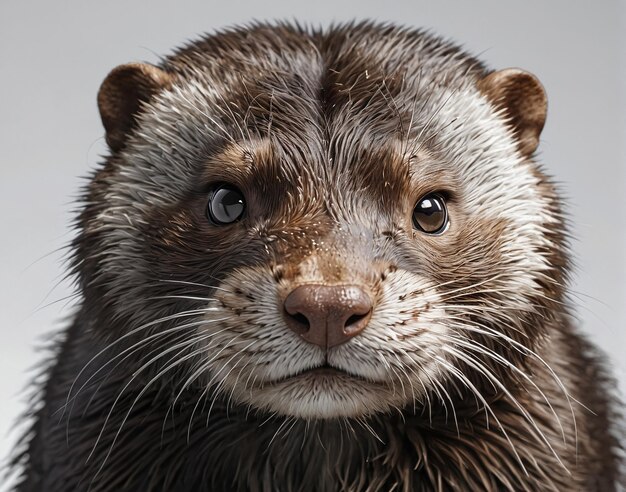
301	319
355	318
355	323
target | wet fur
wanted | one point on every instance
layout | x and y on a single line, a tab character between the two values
470	375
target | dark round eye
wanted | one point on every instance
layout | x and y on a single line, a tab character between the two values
226	205
430	214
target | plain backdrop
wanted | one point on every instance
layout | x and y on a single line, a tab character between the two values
54	54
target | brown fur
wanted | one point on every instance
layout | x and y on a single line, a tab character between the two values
332	136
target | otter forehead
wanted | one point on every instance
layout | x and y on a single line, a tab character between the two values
299	167
338	119
324	99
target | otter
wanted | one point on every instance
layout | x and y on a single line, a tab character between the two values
322	260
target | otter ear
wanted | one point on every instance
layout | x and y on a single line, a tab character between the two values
121	95
523	100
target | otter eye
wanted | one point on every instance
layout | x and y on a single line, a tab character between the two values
430	214
226	204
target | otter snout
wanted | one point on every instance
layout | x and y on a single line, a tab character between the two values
327	315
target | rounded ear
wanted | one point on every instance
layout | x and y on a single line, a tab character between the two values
523	101
122	94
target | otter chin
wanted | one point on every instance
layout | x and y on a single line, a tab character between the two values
318	260
322	393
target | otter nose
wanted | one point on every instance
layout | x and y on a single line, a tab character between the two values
327	315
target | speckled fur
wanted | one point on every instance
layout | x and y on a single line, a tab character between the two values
176	372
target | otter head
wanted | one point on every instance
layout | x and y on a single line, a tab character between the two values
322	225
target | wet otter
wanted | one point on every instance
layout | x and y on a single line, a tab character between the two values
319	261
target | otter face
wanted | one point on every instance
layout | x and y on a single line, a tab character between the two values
340	225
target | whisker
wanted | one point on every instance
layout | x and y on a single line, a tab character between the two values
472	362
468	384
196	284
129	334
126	353
475	346
144	389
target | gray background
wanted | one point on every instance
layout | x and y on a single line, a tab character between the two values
54	54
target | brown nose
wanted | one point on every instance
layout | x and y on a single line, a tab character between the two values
327	315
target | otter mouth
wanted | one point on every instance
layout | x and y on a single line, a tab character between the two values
325	370
322	372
